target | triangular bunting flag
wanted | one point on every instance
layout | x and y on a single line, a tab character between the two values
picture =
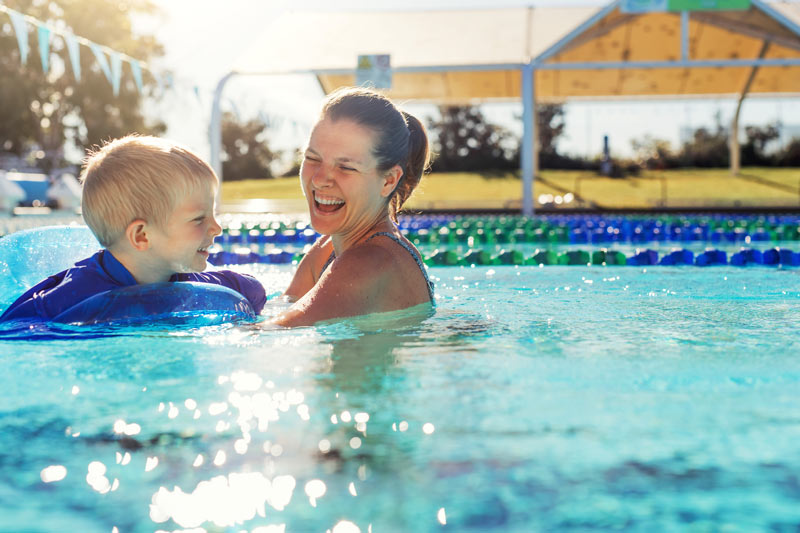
116	71
21	29
112	71
44	47
74	55
137	73
101	60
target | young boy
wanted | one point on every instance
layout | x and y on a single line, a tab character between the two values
150	203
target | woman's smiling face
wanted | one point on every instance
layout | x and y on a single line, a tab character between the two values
345	190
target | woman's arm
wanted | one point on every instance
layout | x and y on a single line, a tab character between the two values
308	270
355	284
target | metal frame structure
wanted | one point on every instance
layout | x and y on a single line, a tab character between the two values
529	163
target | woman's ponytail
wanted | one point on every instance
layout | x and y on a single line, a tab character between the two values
415	166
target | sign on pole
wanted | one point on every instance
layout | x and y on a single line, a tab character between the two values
374	69
646	6
642	6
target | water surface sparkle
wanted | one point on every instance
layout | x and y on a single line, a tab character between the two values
554	399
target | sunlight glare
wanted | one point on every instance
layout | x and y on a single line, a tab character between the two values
315	489
223	500
96	477
53	473
150	463
346	527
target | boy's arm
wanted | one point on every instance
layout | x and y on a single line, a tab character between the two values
31	304
246	285
23	307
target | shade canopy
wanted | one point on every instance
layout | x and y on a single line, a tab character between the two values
442	56
540	54
579	52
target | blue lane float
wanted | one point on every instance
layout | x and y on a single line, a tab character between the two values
789	258
747	256
677	257
644	258
771	257
248	257
711	257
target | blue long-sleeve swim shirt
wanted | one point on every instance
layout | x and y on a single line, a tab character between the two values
102	272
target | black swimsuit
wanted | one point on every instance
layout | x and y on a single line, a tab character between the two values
401	243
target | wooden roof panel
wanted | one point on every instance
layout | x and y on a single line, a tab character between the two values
445	45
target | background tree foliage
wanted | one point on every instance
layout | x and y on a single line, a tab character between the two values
42	112
754	150
708	148
246	152
462	140
549	127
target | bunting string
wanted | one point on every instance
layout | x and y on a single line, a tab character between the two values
110	62
112	71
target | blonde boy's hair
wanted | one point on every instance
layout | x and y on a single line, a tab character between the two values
138	177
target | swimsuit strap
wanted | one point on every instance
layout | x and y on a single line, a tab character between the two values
328	263
411	251
401	243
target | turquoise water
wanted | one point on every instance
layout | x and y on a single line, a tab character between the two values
531	399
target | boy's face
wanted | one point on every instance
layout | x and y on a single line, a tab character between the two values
182	245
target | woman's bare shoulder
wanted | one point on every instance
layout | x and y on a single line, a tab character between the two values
371	261
310	268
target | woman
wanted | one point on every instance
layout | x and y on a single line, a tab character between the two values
363	160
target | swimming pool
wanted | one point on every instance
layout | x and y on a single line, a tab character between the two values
533	399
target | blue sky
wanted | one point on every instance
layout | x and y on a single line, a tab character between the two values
204	37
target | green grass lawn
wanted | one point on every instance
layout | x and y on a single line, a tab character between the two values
754	187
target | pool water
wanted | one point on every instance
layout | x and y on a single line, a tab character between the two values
531	399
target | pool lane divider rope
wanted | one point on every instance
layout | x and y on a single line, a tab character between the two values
604	257
556	229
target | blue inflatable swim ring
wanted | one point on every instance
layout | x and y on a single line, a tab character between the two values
182	301
28	257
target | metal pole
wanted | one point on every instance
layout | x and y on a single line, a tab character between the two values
528	138
684	35
215	132
733	139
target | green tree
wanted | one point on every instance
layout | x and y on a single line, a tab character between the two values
790	155
246	154
549	127
45	111
653	153
707	148
462	140
754	150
